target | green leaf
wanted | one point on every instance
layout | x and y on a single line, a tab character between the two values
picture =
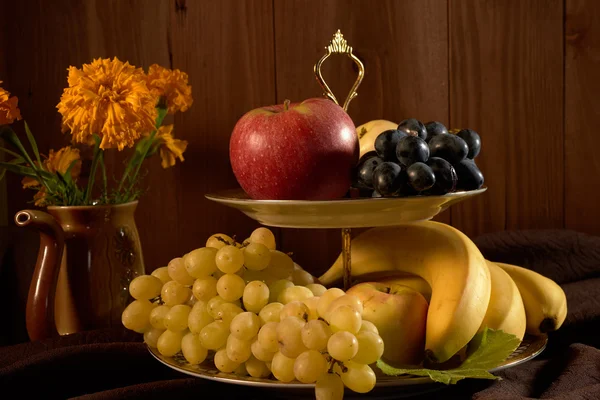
11	137
19	169
448	377
33	146
18	160
67	175
15	161
13	166
487	350
45	174
12	153
490	348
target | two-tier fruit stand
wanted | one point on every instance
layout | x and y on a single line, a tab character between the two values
347	213
344	214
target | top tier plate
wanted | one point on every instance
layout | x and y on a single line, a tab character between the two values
343	213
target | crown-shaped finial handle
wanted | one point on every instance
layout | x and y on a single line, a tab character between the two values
339	45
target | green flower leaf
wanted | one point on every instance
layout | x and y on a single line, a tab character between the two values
16	161
10	136
66	177
487	350
19	169
34	147
41	175
12	153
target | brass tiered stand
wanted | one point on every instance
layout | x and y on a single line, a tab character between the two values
343	214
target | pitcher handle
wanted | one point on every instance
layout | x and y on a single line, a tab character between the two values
40	300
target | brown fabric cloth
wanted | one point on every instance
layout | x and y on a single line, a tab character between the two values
114	364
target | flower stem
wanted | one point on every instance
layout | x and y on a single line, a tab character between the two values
162	112
139	166
104	179
90	185
125	174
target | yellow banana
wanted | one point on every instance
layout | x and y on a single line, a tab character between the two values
505	310
368	132
545	301
447	259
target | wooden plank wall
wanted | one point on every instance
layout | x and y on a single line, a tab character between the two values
506	82
582	115
3	193
524	73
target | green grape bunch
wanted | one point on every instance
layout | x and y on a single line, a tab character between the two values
250	310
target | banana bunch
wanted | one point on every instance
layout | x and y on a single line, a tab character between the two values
465	291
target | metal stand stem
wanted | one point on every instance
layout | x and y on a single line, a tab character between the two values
346	255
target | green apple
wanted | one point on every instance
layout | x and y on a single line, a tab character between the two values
400	314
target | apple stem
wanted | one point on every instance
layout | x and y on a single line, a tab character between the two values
286	105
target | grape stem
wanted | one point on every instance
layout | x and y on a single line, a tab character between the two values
220	239
332	363
330	368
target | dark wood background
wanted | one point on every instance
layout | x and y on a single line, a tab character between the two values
524	73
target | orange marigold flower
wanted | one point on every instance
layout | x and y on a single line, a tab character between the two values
58	161
40	198
170	148
109	98
61	160
29	182
171	86
8	108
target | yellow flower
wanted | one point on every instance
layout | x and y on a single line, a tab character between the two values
40	197
29	182
61	160
170	148
171	86
55	162
8	108
109	98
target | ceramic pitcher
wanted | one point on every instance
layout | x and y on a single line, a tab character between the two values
88	255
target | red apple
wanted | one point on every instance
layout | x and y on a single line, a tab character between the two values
299	151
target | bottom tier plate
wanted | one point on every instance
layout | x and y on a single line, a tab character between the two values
530	347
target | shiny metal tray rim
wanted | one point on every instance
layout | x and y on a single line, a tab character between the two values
530	347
